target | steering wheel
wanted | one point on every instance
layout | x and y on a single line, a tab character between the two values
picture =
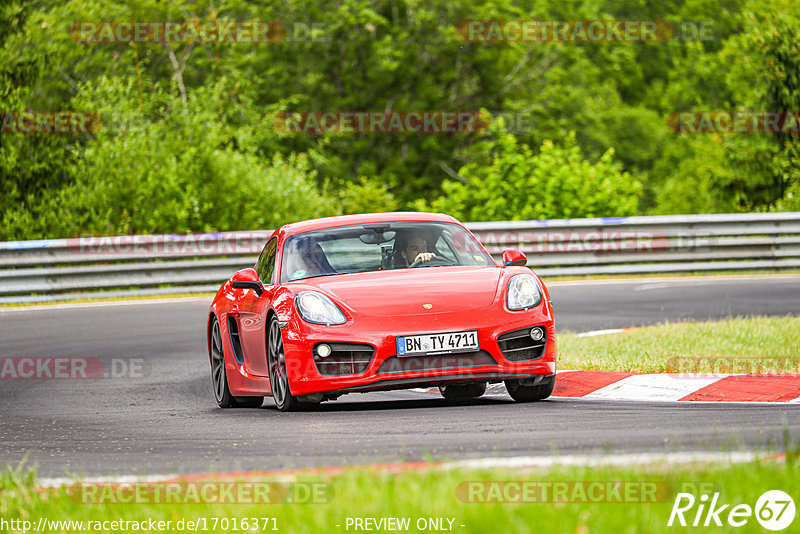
438	259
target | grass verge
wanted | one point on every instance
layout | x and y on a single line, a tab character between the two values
756	345
562	499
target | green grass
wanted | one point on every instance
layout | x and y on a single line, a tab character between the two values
759	345
435	493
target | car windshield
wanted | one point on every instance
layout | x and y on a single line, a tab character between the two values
378	247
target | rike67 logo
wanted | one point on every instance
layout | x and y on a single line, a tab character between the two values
774	510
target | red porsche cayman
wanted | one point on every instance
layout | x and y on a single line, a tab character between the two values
381	301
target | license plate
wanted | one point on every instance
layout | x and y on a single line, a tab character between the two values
446	343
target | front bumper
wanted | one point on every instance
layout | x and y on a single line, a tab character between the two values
386	371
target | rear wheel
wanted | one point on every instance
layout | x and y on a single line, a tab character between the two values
459	392
219	377
278	375
526	391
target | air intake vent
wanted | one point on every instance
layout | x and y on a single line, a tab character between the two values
344	358
519	345
236	344
462	360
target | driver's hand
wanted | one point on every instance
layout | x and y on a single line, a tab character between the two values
425	256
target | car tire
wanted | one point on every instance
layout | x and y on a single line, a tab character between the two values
460	392
219	375
278	374
522	392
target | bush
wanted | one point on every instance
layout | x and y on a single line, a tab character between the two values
516	184
170	167
366	197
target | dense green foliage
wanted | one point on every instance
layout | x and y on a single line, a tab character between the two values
519	184
189	142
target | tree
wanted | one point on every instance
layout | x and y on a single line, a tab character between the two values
553	184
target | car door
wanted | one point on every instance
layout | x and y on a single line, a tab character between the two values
253	313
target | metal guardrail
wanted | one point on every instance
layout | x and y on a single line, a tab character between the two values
65	269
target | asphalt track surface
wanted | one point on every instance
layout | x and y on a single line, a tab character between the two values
163	418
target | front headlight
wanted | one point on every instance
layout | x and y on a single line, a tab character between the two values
523	292
318	309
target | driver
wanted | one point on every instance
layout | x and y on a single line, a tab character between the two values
413	248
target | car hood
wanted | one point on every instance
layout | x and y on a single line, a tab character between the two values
405	291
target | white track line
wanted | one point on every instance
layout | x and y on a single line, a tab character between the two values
653	387
593	333
516	462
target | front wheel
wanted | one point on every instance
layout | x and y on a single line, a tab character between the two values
278	375
219	376
522	391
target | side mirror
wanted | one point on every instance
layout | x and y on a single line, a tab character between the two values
247	279
512	256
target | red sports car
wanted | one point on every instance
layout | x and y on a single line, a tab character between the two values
382	301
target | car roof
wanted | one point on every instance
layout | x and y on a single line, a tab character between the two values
362	218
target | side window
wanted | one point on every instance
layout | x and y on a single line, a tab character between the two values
443	248
266	262
466	249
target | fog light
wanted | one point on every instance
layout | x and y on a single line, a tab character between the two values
323	350
537	333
